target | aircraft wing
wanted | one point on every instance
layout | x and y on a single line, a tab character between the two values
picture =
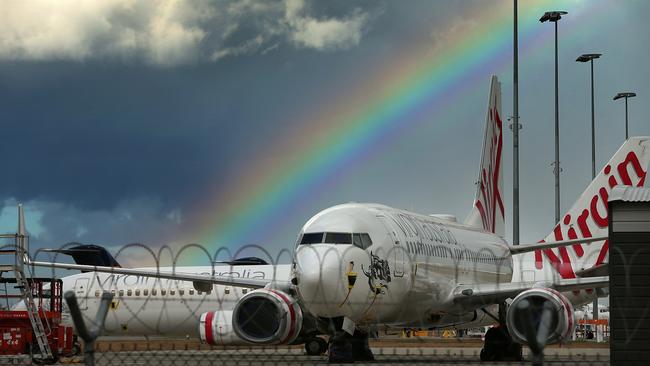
599	270
487	294
525	248
197	279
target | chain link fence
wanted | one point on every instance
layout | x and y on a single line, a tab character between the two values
158	321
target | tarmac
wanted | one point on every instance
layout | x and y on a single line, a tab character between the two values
384	355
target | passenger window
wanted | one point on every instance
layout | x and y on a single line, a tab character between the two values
172	292
244	290
226	290
338	238
311	238
154	292
113	292
145	292
137	292
163	292
121	293
192	292
129	292
181	292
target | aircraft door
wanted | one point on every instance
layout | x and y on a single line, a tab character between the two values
397	248
81	291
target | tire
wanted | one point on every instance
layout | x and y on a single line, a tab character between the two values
487	356
315	346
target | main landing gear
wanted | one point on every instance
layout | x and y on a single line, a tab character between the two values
498	345
315	346
345	348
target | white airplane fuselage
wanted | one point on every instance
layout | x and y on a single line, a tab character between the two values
149	306
408	275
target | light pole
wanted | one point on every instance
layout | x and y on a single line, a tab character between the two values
515	132
590	57
554	16
625	95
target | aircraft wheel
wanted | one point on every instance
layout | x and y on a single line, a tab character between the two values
315	346
487	356
340	349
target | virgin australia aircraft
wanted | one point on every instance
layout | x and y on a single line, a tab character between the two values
361	268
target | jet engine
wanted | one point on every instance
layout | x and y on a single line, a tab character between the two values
215	328
267	316
560	315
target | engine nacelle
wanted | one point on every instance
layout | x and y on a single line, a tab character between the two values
562	319
215	328
267	316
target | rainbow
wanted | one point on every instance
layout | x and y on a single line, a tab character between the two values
350	126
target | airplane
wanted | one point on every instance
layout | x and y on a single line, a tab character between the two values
361	267
150	306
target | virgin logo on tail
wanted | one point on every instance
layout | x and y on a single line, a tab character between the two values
590	219
489	199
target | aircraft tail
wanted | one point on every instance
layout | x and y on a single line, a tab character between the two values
488	211
588	216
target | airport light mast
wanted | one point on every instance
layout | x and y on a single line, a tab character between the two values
625	95
555	16
515	132
590	57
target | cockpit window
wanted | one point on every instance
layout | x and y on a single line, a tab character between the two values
311	238
338	238
362	241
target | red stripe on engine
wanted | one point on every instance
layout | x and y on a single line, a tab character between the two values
209	339
292	327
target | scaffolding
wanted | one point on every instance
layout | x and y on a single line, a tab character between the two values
38	317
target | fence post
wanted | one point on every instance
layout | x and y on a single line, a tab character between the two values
536	337
89	337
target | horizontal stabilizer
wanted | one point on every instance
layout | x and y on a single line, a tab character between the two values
525	248
596	271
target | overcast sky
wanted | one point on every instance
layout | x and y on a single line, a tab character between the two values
131	121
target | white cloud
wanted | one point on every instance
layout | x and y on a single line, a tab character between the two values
165	32
444	35
247	47
159	31
323	34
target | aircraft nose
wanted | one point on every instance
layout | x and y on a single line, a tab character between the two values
320	271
